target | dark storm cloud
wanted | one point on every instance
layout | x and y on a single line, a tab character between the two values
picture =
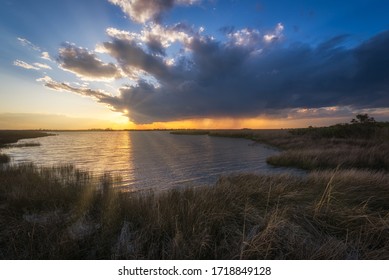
155	46
85	64
131	57
248	77
372	68
225	80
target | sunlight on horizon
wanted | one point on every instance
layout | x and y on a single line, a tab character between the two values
117	121
145	66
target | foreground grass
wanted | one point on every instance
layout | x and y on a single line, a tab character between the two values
64	213
4	158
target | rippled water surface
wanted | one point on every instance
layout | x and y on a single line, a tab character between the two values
149	159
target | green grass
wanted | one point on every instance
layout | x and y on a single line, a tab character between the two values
65	213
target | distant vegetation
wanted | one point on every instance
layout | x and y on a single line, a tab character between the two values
22	145
12	136
363	127
7	137
190	132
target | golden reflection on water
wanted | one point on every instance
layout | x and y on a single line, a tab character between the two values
145	160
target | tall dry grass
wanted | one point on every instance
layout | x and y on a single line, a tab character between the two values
332	153
4	158
64	213
308	149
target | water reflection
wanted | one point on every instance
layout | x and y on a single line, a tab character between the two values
149	159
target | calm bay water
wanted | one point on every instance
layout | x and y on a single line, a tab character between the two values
152	159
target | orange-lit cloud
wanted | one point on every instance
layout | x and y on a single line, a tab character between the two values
177	76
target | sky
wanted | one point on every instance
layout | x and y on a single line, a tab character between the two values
141	64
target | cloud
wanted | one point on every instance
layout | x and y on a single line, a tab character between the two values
156	37
245	37
142	11
276	34
134	59
242	76
42	65
85	64
35	66
25	65
46	56
98	95
27	43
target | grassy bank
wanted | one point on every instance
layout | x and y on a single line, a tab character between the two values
361	146
64	213
8	137
12	136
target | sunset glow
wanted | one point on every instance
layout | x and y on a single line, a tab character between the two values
123	64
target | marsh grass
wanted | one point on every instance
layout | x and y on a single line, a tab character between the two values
7	137
12	136
23	145
346	146
314	154
340	210
4	158
65	213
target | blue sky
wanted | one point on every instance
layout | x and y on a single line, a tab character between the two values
195	63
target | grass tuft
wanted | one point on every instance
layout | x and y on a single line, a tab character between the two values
65	213
4	158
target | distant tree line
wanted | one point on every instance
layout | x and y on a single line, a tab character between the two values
362	126
363	118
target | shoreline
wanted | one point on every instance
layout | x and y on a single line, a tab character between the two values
8	137
344	146
12	136
336	212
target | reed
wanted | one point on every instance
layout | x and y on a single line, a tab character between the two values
4	158
65	213
348	146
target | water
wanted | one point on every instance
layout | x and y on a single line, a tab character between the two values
152	159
